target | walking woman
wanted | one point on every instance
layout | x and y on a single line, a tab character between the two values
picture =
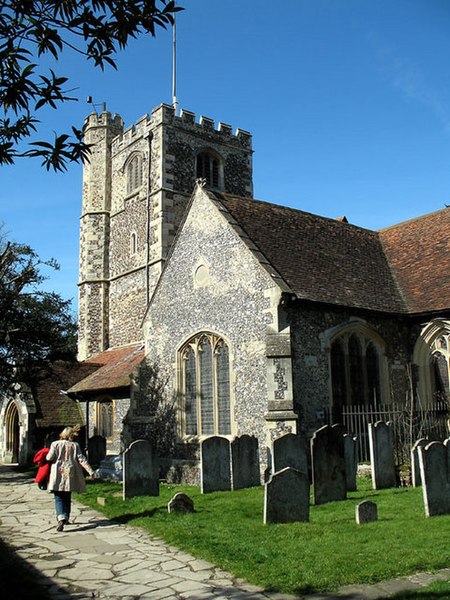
66	474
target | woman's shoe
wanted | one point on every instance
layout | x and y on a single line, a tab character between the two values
60	526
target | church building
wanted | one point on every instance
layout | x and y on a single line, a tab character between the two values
261	319
204	311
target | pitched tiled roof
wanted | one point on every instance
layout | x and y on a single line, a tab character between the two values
114	367
320	259
419	254
54	407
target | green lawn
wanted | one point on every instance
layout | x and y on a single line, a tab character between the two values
328	552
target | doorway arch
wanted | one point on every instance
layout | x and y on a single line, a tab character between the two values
12	424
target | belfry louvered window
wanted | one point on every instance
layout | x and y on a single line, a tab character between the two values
208	169
134	174
205	386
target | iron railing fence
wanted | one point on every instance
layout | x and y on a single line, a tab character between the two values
409	424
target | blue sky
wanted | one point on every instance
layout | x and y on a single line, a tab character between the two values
348	102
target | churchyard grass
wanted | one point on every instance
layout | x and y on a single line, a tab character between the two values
328	552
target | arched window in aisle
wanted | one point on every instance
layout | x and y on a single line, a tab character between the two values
104	418
355	369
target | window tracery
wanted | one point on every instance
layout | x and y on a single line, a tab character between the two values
205	386
355	370
104	418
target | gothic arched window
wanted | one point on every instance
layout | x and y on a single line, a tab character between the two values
208	168
440	365
134	174
355	370
104	418
205	386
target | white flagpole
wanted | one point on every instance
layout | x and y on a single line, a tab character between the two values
174	67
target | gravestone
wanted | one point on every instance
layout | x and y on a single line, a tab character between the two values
140	470
351	461
381	445
366	512
289	450
180	503
286	497
434	474
415	465
245	462
96	449
328	464
215	467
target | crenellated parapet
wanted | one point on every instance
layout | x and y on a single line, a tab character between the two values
164	114
104	119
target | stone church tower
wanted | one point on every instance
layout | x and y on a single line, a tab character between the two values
135	190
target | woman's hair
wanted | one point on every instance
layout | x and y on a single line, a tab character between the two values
68	433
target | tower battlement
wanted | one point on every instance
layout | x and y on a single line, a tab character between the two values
164	114
103	119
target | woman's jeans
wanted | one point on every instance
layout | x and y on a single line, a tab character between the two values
62	505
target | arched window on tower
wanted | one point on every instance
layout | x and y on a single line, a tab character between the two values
133	243
205	386
134	174
209	168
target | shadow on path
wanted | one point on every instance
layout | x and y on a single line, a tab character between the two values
20	580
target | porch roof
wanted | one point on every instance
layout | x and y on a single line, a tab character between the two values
113	369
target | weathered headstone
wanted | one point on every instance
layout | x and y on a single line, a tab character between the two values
140	470
286	497
180	503
415	466
366	512
328	464
96	449
289	450
215	467
351	461
381	444
434	469
245	462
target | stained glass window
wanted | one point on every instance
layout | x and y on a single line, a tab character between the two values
205	386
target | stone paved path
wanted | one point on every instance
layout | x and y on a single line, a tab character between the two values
97	558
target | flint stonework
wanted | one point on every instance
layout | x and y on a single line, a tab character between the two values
140	470
415	464
245	462
215	467
351	461
366	512
433	460
286	497
328	464
289	450
381	445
